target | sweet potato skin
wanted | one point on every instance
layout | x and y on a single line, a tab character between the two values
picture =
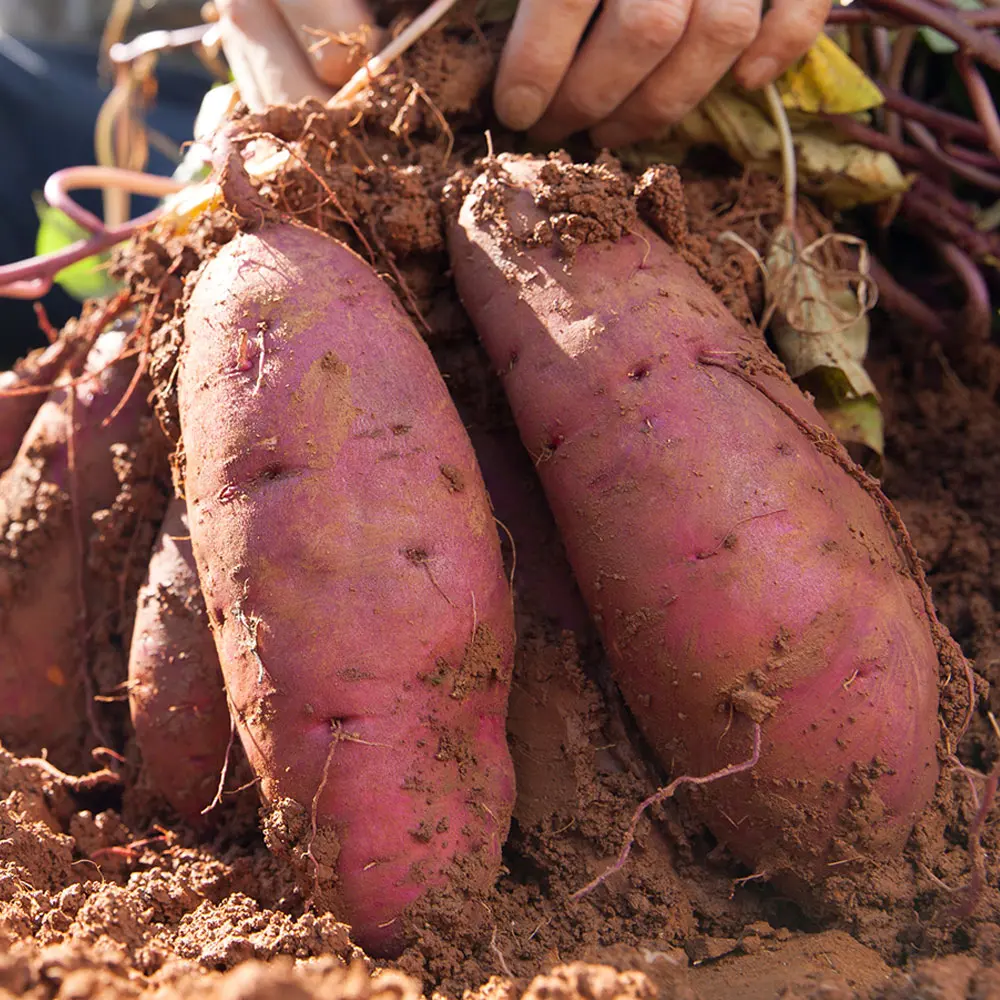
351	568
177	699
735	566
42	596
18	407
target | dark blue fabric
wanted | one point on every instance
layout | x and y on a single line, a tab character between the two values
49	100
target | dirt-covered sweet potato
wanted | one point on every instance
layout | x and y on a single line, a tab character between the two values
739	567
352	573
18	402
63	474
177	698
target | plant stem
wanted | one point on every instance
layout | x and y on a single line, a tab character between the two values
982	100
980	45
788	167
32	278
382	60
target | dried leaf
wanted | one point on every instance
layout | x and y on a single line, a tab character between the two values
830	332
188	205
827	81
819	324
845	174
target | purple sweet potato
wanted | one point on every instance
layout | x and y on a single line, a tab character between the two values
47	501
352	573
177	698
739	567
19	406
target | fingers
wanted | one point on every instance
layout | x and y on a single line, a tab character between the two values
540	47
631	38
318	24
267	62
790	27
717	33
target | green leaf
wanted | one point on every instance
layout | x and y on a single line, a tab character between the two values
87	278
856	420
939	43
490	11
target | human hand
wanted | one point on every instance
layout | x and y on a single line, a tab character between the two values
644	63
281	51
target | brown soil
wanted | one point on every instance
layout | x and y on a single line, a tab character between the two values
104	892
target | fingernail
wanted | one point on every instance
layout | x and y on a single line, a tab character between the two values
613	135
758	73
520	107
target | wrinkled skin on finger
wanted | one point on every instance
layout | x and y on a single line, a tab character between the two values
284	52
629	69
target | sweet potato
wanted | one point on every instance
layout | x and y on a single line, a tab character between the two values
18	406
351	569
64	473
177	698
739	567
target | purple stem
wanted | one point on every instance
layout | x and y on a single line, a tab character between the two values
925	139
894	298
978	314
33	277
58	197
980	45
950	125
982	100
974	157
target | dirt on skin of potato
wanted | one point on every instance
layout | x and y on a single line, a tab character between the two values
103	892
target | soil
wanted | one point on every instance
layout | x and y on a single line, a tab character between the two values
105	892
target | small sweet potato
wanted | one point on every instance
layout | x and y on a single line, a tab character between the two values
740	568
177	698
352	573
64	473
18	406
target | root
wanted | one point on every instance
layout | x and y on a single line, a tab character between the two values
104	778
661	795
978	856
45	324
224	773
379	63
418	557
727	538
314	811
337	735
330	193
513	552
501	960
250	625
144	351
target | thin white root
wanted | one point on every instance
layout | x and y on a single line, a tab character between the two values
380	62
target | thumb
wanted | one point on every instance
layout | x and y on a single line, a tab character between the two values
268	64
337	35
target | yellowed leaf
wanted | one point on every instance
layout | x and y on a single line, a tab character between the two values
827	81
181	210
845	174
745	131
